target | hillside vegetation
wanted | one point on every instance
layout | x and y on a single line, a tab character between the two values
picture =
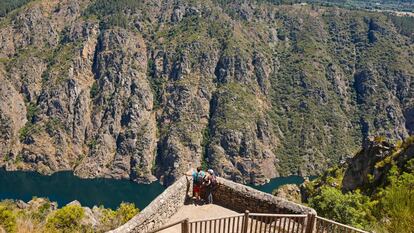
397	5
7	6
144	90
42	216
373	190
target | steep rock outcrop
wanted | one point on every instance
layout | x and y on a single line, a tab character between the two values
184	114
122	140
240	140
145	90
372	164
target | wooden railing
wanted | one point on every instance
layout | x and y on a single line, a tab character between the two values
263	223
185	223
218	225
324	225
245	223
280	223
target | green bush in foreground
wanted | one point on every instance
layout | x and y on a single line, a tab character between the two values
350	208
67	219
397	205
118	217
389	208
7	219
126	211
39	216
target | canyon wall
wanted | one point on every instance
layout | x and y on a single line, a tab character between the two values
145	90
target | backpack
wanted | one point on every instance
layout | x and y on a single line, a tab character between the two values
214	181
199	178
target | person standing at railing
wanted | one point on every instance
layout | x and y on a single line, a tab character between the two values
198	178
210	183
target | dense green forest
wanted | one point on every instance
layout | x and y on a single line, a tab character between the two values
112	13
400	5
8	5
404	24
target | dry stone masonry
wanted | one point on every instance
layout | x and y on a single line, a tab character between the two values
239	198
159	210
229	194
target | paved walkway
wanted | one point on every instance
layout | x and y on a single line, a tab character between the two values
255	224
197	212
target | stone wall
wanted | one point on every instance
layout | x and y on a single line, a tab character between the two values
157	213
228	194
240	198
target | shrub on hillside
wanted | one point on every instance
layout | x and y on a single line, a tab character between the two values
113	218
126	211
396	206
67	219
385	206
7	219
351	208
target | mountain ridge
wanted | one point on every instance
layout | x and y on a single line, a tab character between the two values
145	91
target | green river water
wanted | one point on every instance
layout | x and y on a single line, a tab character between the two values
64	187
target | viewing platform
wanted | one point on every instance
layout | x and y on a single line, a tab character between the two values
196	213
237	209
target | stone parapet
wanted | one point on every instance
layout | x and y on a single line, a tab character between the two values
240	197
228	194
157	213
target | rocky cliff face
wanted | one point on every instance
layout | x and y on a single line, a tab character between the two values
371	166
146	90
369	171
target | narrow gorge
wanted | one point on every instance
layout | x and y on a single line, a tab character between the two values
145	90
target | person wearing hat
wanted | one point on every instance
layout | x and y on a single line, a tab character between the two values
210	182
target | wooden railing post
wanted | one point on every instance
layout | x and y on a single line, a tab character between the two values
245	221
310	223
185	226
